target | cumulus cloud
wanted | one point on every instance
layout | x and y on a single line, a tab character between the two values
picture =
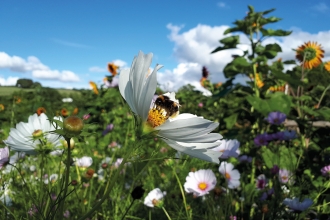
192	51
120	63
33	64
10	81
222	5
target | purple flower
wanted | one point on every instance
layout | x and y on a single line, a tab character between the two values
288	135
325	171
107	129
66	214
4	156
275	169
245	158
296	205
261	181
267	194
276	118
261	139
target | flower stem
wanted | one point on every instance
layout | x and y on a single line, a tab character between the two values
182	192
166	213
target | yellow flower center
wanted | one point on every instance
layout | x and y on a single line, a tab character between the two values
156	117
227	176
284	178
37	133
202	186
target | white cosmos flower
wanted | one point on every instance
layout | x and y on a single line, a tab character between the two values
27	137
84	162
229	148
185	133
232	176
154	198
200	182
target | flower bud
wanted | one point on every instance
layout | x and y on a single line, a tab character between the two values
73	126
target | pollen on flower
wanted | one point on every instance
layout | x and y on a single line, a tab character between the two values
227	176
156	117
202	186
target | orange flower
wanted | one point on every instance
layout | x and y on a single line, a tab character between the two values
17	99
310	54
41	110
259	81
218	85
75	111
112	68
2	107
327	66
94	87
64	112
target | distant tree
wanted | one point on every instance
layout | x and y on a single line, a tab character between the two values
24	83
36	84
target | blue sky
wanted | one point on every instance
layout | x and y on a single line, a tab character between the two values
68	43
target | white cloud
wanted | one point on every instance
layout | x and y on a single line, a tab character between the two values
96	69
222	5
321	7
120	63
70	44
39	70
192	50
10	81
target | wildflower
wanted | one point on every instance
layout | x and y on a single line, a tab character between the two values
261	181
285	176
75	111
266	195
41	110
276	118
288	135
205	72
200	182
84	162
66	214
310	54
327	66
2	107
86	116
118	162
64	112
325	170
72	126
297	206
154	198
111	83
232	176
34	135
228	148
107	129
52	178
67	99
261	139
202	81
112	68
200	104
94	87
186	133
4	156
245	158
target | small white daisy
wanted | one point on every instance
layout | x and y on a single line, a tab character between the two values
232	176
52	178
33	136
185	133
154	198
200	182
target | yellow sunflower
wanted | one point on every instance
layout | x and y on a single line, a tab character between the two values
94	87
310	54
327	66
112	68
41	110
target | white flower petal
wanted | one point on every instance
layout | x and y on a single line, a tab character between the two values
125	88
204	154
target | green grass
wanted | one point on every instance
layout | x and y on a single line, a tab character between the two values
9	90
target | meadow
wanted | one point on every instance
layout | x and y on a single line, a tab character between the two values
260	151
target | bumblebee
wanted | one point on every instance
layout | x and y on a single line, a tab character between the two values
164	102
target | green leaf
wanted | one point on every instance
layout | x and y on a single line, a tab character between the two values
274	47
268	157
228	43
241	61
286	77
268	11
271	32
231	30
275	102
231	120
273	19
290	62
325	113
251	8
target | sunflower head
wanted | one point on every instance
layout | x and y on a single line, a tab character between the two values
112	68
310	54
327	66
41	110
